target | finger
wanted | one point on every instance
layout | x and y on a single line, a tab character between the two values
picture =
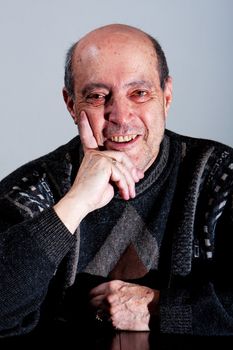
117	177
101	289
137	174
122	158
120	180
99	303
86	134
129	177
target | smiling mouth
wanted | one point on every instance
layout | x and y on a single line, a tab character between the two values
121	138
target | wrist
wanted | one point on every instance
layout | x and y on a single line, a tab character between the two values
71	211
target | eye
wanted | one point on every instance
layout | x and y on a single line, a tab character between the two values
140	95
96	99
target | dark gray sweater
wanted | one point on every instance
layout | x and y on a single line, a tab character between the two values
176	235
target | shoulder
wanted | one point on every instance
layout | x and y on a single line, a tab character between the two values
56	161
193	143
206	159
194	146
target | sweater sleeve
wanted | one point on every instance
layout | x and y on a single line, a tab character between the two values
33	241
202	302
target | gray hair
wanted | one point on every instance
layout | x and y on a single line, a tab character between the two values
69	77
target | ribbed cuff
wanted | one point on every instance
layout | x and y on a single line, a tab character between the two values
176	319
51	235
175	313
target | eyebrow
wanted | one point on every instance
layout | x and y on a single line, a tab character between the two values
139	82
92	86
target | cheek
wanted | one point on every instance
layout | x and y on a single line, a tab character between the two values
154	122
94	115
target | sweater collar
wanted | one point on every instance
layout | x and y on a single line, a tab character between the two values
153	174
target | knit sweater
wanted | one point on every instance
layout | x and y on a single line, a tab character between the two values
175	236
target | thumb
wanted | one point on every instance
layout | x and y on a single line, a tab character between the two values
86	134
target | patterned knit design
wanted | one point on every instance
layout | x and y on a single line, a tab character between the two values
220	189
173	225
182	251
119	239
31	199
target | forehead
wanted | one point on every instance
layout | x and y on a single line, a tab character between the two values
114	55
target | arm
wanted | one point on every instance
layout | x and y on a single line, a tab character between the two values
31	248
213	303
202	302
99	172
35	239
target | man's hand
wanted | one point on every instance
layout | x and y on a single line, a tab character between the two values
100	169
128	305
93	187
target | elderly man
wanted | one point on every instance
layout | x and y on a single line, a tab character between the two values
129	221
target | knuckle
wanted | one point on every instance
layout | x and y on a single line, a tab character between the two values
110	299
114	284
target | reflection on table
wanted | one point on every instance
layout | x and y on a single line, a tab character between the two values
102	338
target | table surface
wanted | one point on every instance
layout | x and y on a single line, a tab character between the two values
120	341
106	339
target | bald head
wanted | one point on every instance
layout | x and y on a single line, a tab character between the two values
114	30
120	35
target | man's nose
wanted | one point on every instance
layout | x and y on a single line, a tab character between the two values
118	110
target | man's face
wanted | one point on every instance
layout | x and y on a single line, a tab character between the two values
117	84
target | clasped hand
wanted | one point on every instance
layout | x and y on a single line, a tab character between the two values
129	306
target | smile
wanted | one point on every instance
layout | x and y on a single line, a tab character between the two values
125	138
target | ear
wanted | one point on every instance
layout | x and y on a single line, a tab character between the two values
167	95
69	101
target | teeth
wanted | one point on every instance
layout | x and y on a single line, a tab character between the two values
125	138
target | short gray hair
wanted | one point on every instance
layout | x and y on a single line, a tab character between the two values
69	77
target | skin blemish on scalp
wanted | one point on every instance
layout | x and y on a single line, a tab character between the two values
93	50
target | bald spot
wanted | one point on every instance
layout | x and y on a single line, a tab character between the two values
113	37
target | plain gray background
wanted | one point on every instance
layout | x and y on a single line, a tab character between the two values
196	36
